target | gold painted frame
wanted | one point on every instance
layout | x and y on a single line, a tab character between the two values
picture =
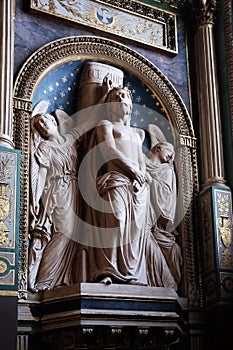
111	52
149	24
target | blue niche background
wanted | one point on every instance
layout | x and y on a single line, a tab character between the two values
60	88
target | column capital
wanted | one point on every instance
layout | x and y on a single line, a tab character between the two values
6	141
202	10
201	16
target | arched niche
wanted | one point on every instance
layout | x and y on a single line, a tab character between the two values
76	50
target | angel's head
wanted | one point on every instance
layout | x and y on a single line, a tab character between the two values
45	124
164	152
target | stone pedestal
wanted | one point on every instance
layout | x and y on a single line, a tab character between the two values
97	316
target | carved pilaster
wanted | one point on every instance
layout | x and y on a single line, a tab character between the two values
209	110
7	9
9	184
215	198
216	223
212	165
22	342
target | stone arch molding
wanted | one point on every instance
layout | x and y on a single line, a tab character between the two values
110	52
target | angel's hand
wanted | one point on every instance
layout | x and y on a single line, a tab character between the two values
32	213
34	210
106	85
138	176
136	186
148	178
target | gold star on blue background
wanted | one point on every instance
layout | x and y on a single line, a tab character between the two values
60	88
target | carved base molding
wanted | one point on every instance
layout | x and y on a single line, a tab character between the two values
97	316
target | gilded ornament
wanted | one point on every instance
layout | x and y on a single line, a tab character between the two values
3	267
5	200
223	204
224	228
226	232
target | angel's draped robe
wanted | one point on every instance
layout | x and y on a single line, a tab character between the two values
162	251
54	244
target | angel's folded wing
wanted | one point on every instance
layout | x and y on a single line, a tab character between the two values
156	135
